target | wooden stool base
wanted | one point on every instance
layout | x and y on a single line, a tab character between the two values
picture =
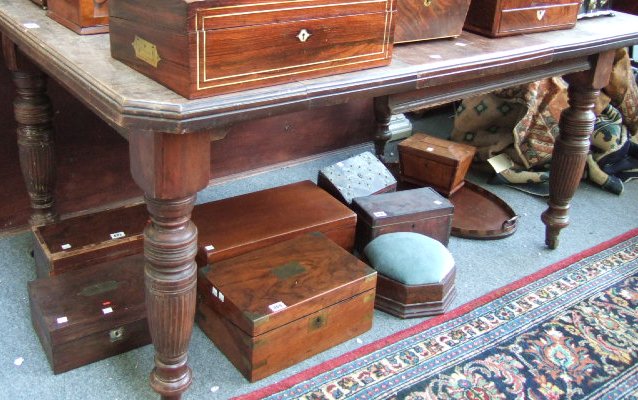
413	301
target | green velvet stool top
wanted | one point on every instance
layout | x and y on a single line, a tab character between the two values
410	258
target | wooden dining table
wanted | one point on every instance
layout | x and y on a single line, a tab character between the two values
169	136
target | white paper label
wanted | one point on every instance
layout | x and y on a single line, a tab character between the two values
460	44
31	25
117	235
435	56
210	247
221	297
438	202
66	246
379	214
214	291
62	320
107	310
430	149
278	306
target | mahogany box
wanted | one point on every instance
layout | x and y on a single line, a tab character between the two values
274	307
208	47
76	242
236	225
430	161
91	314
429	19
360	175
420	210
81	16
496	18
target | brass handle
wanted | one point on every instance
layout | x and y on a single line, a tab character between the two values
117	334
427	3
303	35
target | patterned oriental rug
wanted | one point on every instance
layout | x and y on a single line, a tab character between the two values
569	331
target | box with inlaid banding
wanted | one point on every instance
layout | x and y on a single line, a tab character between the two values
204	48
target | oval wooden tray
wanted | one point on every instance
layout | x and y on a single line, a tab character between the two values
480	214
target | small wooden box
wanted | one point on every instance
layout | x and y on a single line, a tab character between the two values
429	161
417	210
89	239
429	19
496	18
209	47
233	226
81	16
271	308
361	175
91	314
412	301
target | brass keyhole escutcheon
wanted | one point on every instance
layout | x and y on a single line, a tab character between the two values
303	35
540	14
427	3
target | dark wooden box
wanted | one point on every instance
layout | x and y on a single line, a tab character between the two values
430	161
233	226
208	47
412	301
271	308
496	18
429	19
81	16
361	175
89	239
91	314
420	210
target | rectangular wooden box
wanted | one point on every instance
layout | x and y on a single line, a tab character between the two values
209	47
420	210
430	161
274	307
233	226
90	314
360	175
429	19
81	16
496	18
89	239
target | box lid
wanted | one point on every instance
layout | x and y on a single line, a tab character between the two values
238	224
94	230
402	206
441	150
267	288
94	299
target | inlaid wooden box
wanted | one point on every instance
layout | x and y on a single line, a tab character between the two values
430	161
496	18
429	19
271	308
233	226
89	239
81	16
420	210
90	314
204	48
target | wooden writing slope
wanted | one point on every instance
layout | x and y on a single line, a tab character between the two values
169	135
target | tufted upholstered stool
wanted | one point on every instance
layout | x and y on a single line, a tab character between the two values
416	274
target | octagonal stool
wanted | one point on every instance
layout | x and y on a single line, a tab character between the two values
416	274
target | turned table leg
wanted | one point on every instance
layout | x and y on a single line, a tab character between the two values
382	115
33	113
572	145
170	169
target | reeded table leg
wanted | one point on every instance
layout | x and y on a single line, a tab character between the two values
170	169
572	145
382	115
33	112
